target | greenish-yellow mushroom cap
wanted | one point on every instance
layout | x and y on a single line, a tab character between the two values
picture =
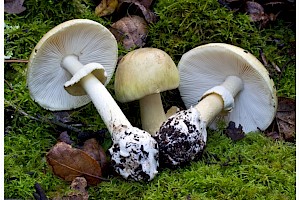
143	72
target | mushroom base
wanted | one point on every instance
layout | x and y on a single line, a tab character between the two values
134	153
181	138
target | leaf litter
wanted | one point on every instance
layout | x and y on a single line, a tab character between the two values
68	163
130	31
284	124
130	20
14	6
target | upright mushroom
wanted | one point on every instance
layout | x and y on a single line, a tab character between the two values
141	75
231	84
68	68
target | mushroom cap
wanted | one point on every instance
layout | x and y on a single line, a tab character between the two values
206	66
90	41
144	71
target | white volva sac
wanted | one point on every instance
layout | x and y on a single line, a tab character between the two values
135	153
182	137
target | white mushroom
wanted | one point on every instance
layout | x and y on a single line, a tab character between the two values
141	75
68	68
231	84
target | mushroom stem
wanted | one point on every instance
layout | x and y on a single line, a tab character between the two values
209	107
152	113
213	103
106	106
233	84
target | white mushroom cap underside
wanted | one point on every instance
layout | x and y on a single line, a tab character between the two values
86	39
207	66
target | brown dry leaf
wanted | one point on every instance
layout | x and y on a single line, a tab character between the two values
286	118
69	163
94	149
234	133
145	3
14	6
64	137
130	31
149	16
106	7
274	135
255	11
78	192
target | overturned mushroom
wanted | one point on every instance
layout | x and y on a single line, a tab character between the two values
231	84
69	67
141	75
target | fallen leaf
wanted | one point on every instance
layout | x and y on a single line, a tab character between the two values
78	190
79	184
14	6
145	3
274	135
94	149
257	13
69	163
264	12
149	16
99	135
63	116
106	7
234	133
130	31
253	7
64	137
286	118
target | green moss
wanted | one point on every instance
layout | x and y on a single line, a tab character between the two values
253	168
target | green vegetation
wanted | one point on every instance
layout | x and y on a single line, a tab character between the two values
253	168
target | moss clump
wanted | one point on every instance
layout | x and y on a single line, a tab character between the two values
253	168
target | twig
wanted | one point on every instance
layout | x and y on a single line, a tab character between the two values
42	119
263	58
7	83
40	193
276	67
286	121
15	61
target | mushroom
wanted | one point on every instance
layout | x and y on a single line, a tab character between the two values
68	68
231	84
141	75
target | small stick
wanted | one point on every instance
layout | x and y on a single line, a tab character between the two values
7	83
276	67
15	61
41	119
263	58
